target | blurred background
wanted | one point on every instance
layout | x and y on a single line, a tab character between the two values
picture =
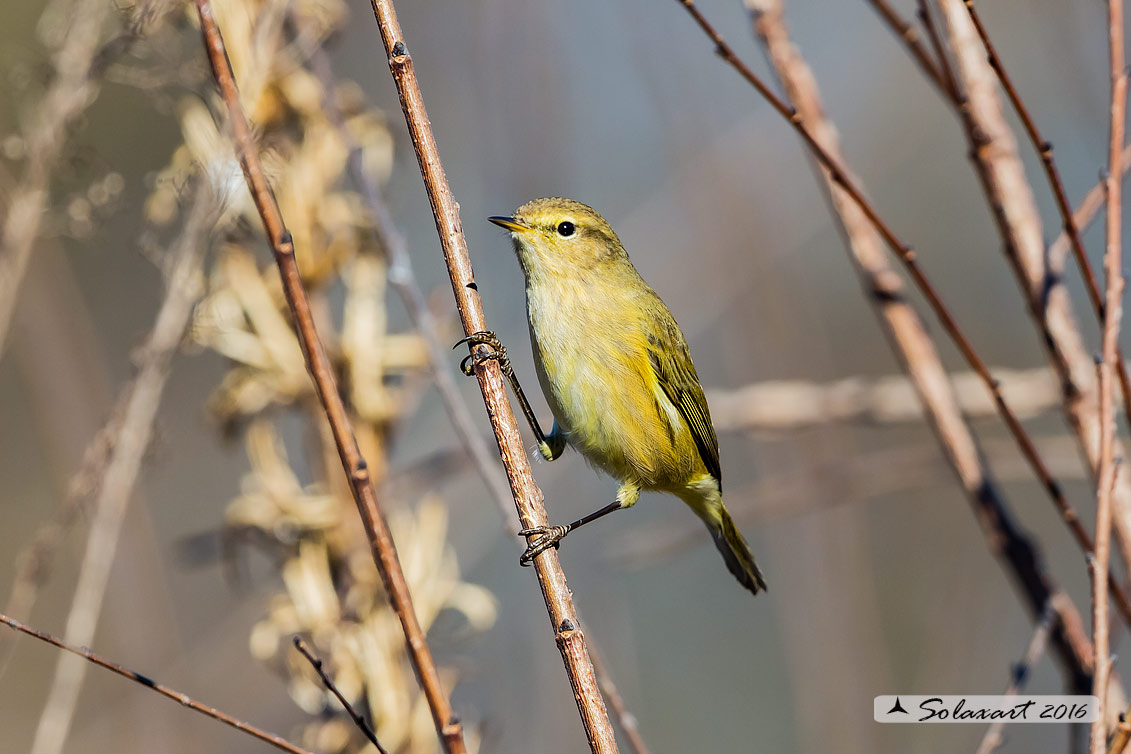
880	579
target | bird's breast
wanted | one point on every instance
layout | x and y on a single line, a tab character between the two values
590	347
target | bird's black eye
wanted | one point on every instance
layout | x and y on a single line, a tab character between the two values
566	228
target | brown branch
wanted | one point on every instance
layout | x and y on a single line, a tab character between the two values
358	719
905	331
1085	212
1044	149
528	498
910	36
321	371
176	696
140	403
1020	675
1112	314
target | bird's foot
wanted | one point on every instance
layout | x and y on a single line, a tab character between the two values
487	338
549	536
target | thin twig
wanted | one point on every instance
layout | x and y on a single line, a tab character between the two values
1037	590
403	279
910	36
1044	149
1112	314
321	371
358	719
1086	211
176	696
528	498
184	283
1019	675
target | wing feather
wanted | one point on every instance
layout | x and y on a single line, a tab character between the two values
672	365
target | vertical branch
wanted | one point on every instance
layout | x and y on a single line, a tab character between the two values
321	371
909	339
1112	313
910	36
528	498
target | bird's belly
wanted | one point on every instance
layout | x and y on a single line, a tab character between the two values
595	377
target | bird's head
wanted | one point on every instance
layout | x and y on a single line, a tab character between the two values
556	236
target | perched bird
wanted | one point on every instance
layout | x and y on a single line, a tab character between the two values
617	374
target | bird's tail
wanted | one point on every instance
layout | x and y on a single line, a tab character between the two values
736	553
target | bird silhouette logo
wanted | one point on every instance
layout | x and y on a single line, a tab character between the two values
897	707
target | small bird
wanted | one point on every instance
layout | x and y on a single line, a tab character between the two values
616	371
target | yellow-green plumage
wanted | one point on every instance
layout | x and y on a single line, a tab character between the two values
616	369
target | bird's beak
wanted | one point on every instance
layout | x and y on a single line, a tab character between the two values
514	226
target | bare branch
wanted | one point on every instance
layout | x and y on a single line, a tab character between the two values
448	727
176	696
1112	314
358	719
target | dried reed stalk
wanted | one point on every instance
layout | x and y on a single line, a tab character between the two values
1112	314
183	699
527	497
119	475
448	726
912	346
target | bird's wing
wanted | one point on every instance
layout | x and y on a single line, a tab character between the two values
671	363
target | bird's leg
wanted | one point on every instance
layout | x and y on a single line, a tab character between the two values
552	445
552	535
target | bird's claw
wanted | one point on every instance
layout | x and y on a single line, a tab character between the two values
487	338
551	536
